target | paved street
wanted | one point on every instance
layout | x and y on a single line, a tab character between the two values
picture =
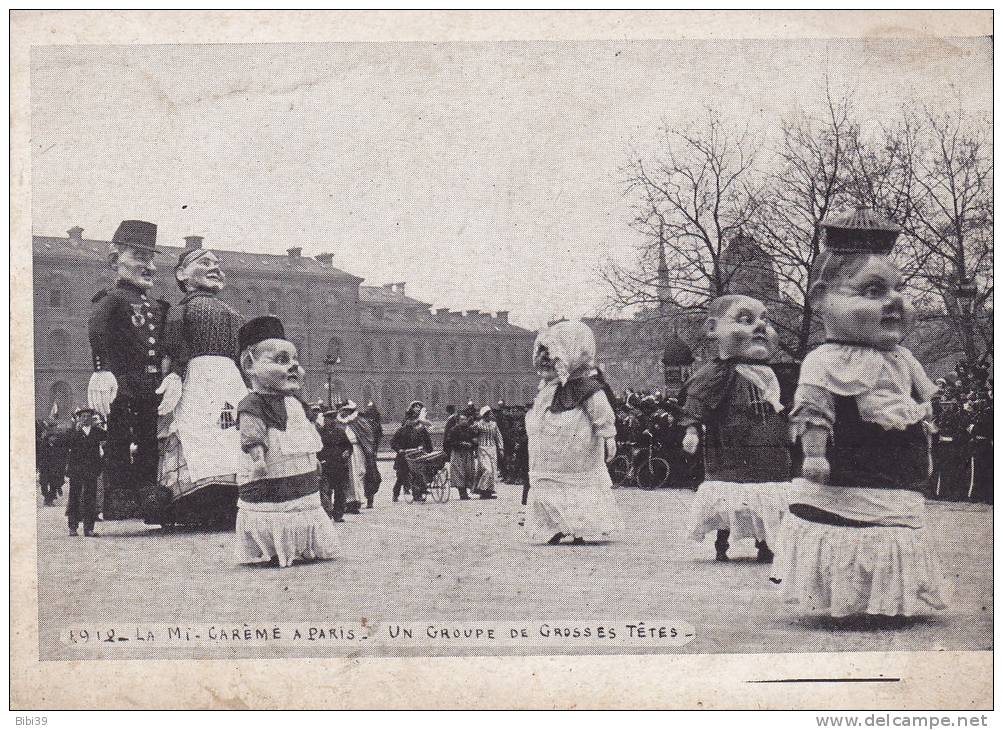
468	561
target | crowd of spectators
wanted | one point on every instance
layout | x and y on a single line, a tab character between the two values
963	441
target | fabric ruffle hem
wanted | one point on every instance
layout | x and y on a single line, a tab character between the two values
846	571
753	510
296	529
581	506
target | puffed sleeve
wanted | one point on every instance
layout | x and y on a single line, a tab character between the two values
813	407
99	329
253	431
601	414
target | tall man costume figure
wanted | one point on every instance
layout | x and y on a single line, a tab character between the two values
125	332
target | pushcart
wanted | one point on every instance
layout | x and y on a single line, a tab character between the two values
427	472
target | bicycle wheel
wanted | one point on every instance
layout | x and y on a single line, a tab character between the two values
653	473
440	486
619	471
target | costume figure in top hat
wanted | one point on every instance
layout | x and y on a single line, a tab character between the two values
200	443
280	517
125	335
855	541
735	398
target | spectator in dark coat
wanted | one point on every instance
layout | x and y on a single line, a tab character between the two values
83	466
372	414
335	458
50	459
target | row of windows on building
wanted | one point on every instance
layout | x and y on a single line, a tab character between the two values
392	398
384	354
250	301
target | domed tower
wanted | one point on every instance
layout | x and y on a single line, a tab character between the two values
747	269
676	360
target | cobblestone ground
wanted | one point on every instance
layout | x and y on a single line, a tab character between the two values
468	561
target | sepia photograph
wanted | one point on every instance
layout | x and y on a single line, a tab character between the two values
415	349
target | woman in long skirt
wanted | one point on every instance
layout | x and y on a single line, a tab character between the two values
200	452
572	436
489	453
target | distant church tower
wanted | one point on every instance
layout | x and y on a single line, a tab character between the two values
664	289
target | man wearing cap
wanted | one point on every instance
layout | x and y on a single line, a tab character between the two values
83	466
125	331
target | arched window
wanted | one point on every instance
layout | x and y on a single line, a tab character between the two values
339	393
56	297
511	392
300	306
249	301
419	354
273	303
435	397
389	401
387	353
368	393
453	394
470	355
332	306
61	396
421	392
499	392
483	395
452	356
433	355
485	356
367	350
58	346
404	395
334	354
468	392
401	354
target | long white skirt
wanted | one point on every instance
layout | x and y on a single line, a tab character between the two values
576	505
845	571
748	510
298	528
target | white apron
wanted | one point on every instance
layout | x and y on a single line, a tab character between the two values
206	417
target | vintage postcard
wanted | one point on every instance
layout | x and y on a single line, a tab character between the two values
574	359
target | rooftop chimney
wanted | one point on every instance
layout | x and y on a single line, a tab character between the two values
442	311
400	287
76	233
473	312
326	259
294	252
503	317
193	242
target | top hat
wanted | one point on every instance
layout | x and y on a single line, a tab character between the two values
137	234
260	329
861	230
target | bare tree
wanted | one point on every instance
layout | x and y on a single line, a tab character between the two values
941	184
813	177
690	200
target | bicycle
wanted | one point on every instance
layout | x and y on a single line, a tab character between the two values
650	472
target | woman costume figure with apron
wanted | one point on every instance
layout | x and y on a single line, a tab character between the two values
200	452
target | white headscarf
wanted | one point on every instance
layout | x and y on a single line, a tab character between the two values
571	346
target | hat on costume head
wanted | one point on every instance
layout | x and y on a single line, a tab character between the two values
485	411
260	329
414	410
136	234
861	230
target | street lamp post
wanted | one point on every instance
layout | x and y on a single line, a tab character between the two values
965	294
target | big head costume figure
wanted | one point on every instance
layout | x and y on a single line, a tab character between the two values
200	454
735	401
125	335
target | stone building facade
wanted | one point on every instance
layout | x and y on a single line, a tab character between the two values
360	342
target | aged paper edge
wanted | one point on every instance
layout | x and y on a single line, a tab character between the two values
957	680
